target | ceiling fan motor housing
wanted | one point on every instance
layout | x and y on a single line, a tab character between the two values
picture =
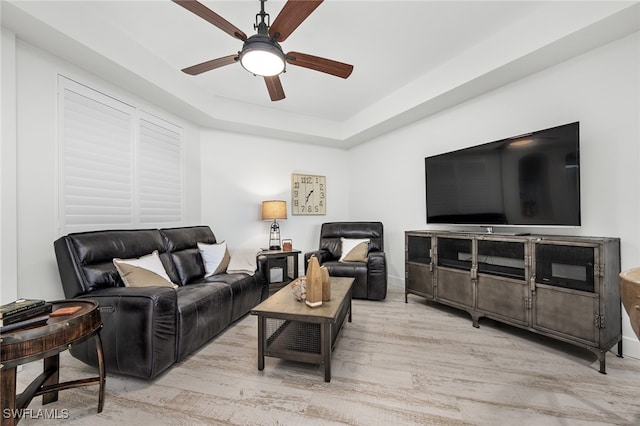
262	49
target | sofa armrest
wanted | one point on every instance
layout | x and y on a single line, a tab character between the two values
377	275
139	330
323	255
261	275
70	273
261	271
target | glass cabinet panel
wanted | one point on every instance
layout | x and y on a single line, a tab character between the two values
455	253
565	266
501	258
419	249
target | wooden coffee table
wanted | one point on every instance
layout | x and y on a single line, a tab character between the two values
291	330
21	346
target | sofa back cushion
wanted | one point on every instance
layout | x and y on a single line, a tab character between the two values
85	259
332	232
182	244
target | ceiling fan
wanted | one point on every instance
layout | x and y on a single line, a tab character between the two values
261	53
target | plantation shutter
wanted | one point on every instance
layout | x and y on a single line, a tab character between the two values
97	153
119	167
160	174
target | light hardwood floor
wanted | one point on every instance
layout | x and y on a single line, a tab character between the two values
395	364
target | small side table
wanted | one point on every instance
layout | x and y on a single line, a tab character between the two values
46	342
282	267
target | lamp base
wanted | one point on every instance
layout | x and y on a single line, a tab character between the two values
274	236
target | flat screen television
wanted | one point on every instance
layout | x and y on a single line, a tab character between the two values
525	180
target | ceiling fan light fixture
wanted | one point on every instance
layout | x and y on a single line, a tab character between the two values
262	56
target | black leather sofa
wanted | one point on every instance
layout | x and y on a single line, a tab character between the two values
370	276
147	329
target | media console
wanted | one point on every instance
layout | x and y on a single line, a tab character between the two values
558	286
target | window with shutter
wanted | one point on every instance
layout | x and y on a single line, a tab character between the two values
119	167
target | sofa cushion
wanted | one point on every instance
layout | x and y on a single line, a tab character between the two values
85	260
243	261
135	276
204	310
331	232
187	237
144	271
247	291
354	249
215	257
188	264
182	244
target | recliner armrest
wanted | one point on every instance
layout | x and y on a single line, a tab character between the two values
376	260
322	255
377	275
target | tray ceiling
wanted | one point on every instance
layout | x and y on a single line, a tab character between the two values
411	58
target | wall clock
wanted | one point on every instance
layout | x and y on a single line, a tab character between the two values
308	194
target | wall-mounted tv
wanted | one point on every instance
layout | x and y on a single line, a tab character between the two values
525	180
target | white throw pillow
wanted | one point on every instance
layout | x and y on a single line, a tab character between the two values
215	258
243	261
354	249
144	271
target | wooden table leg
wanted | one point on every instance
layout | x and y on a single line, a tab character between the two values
101	370
261	341
325	349
8	396
51	363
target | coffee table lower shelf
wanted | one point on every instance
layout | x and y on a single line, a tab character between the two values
294	332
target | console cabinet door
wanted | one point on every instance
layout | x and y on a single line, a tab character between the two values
455	283
566	296
419	280
418	265
503	299
503	290
566	313
455	287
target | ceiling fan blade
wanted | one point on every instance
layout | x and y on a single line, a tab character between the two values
339	69
210	16
274	86
293	13
211	65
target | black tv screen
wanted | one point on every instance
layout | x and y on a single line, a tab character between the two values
531	180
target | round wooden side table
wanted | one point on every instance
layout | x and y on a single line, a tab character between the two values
46	342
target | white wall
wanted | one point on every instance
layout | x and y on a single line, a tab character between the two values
240	171
37	173
600	89
8	218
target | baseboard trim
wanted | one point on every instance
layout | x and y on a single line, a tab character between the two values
630	347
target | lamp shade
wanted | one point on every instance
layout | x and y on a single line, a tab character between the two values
274	209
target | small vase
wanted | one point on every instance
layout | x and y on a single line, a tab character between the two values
314	283
326	284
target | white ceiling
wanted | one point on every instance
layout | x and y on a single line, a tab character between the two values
411	58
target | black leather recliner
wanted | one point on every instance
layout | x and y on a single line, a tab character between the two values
370	277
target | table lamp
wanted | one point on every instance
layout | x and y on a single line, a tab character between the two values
274	209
